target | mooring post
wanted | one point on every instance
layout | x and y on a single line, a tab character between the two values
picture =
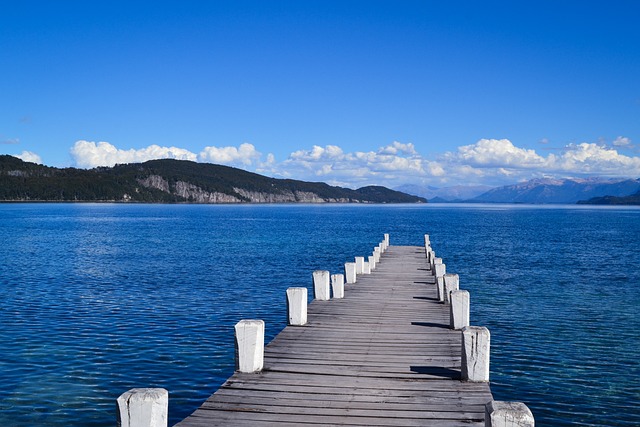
459	309
507	414
372	262
350	272
249	345
321	290
439	270
451	283
386	239
440	288
143	407
297	306
337	285
434	261
377	253
359	264
366	268
475	353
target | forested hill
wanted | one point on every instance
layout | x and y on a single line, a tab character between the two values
633	199
173	181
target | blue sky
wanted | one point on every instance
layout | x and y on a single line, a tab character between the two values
350	92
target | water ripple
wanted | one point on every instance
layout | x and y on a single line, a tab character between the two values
97	299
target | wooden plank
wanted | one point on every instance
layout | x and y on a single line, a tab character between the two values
382	356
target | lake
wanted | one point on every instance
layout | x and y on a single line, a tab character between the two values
96	299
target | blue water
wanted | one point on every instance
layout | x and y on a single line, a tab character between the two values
96	298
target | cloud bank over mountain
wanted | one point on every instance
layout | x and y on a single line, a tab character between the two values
487	161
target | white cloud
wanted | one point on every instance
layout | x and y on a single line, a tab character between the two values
390	165
87	154
493	160
594	159
29	156
398	148
497	153
488	161
621	141
246	154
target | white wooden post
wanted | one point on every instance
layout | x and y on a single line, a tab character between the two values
249	345
427	241
359	264
439	269
297	306
337	285
459	309
440	288
366	268
386	239
376	253
435	261
372	262
507	414
321	290
350	272
143	407
451	283
475	353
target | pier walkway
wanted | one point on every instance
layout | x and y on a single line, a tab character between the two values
381	356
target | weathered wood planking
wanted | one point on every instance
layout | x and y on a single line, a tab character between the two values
382	356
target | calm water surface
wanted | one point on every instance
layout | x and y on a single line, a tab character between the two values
96	299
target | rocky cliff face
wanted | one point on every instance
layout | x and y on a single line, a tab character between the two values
155	181
285	197
196	194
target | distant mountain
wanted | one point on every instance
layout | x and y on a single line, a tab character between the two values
173	181
559	190
633	199
444	194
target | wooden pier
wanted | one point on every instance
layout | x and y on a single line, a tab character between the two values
381	356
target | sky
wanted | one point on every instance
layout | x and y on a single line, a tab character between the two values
346	92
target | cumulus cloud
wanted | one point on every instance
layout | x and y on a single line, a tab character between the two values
398	148
591	158
499	158
487	161
29	156
390	165
246	154
87	154
497	153
621	141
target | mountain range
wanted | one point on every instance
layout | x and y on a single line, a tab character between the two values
536	191
173	181
559	190
456	193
